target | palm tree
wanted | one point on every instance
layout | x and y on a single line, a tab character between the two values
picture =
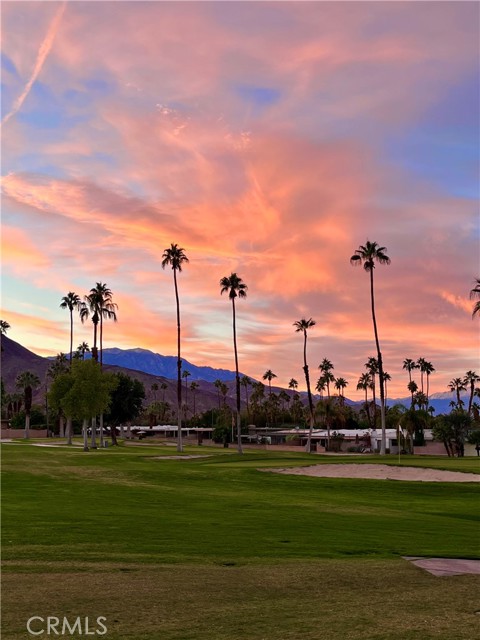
186	374
421	362
27	381
428	369
372	367
175	257
269	375
235	287
71	302
456	385
154	388
302	326
320	386
293	384
409	365
340	384
4	327
413	388
365	383
386	378
83	348
163	387
193	388
475	293
368	255
98	303
246	382
470	380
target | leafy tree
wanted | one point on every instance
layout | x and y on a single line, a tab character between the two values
368	255
452	429
27	381
89	394
475	293
302	326
71	302
61	385
235	287
125	405
175	257
415	423
37	419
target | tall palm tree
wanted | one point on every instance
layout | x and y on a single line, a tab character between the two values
368	255
269	375
236	288
386	378
302	326
175	257
475	293
421	362
27	381
409	365
321	385
470	380
428	369
72	302
98	304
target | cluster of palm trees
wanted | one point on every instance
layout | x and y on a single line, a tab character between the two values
99	306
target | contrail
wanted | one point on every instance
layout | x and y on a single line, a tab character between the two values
41	57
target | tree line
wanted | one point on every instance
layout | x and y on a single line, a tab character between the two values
98	305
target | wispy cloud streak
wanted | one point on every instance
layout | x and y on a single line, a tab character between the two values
39	62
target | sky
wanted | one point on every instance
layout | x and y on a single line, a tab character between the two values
270	139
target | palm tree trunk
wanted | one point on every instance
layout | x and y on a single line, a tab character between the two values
93	437
237	381
27	425
179	370
69	430
71	336
309	393
101	431
61	429
85	435
383	446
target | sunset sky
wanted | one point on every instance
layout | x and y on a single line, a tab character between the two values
266	138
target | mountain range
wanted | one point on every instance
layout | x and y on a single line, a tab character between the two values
153	368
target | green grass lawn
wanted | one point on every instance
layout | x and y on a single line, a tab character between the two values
211	548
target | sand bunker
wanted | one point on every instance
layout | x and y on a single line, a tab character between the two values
380	472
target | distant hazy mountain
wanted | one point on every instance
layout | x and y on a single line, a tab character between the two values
165	366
